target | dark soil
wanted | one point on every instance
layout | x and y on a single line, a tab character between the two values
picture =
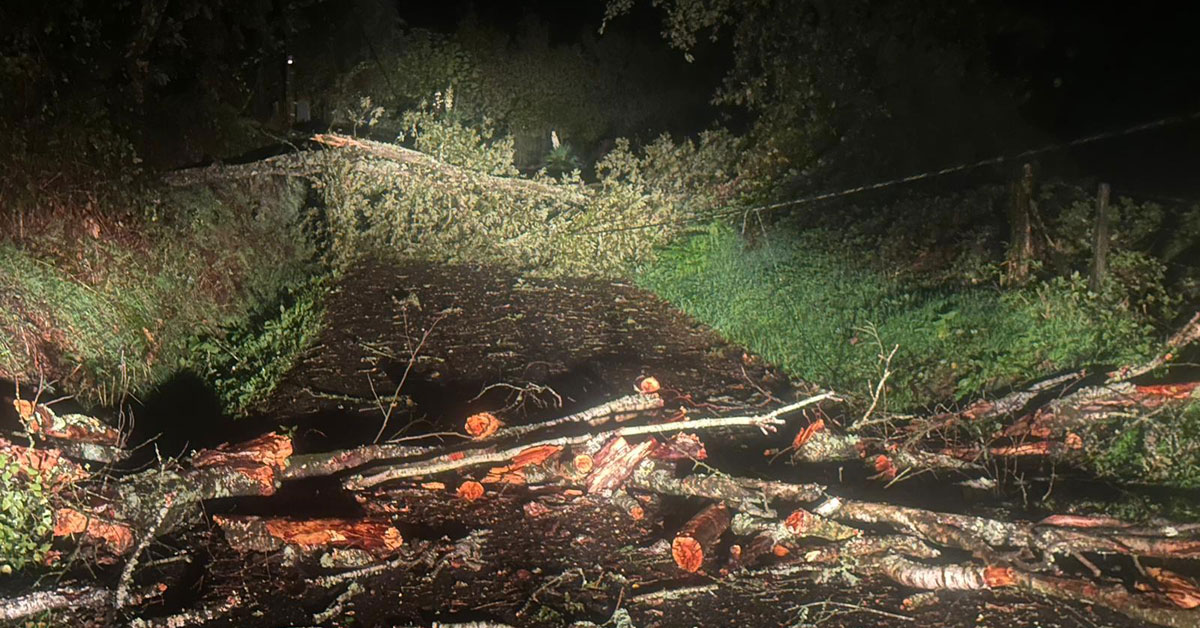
588	341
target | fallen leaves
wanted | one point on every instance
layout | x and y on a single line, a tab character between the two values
535	509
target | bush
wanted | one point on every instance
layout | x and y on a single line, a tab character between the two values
245	361
439	132
26	518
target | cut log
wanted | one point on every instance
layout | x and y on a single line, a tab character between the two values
696	539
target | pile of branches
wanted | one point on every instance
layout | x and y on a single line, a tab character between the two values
631	452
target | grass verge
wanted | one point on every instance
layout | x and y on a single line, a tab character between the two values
815	304
103	311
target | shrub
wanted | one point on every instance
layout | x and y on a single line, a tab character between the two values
1163	448
439	132
26	517
245	361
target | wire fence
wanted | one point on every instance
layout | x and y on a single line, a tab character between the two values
879	185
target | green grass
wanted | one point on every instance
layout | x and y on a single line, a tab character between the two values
812	302
243	363
124	312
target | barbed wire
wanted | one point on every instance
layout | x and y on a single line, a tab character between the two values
824	196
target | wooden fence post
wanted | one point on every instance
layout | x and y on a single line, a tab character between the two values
1020	251
1100	241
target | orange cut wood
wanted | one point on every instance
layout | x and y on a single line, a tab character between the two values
1182	591
687	554
272	450
512	473
884	466
796	522
583	463
996	577
648	385
470	490
1170	391
483	424
699	535
117	538
807	433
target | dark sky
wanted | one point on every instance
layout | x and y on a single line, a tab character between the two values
1117	65
570	17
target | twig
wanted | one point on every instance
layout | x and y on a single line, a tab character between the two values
121	597
403	378
595	415
555	581
852	607
194	617
877	393
424	556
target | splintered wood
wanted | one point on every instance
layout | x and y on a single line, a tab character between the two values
259	534
615	462
514	473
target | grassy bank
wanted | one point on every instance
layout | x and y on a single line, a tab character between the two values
108	308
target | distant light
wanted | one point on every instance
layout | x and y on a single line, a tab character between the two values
290	61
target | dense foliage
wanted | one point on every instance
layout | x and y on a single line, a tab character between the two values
554	226
858	90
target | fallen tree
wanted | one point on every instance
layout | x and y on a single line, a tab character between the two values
776	525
